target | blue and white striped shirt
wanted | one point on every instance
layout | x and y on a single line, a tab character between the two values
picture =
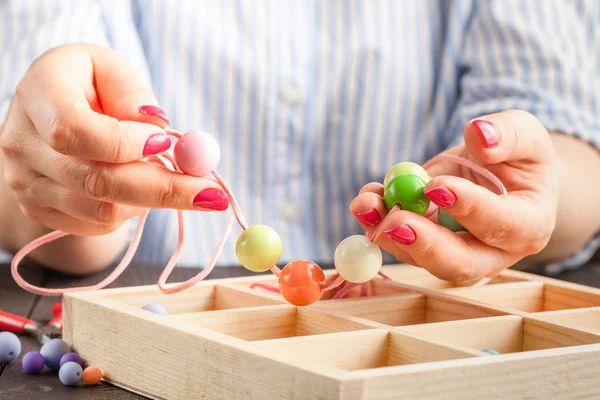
310	100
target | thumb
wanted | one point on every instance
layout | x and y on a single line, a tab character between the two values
122	92
512	135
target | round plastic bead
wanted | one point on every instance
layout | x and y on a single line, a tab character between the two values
10	347
490	351
70	373
407	191
68	357
448	221
33	362
357	259
259	248
53	352
300	282
405	168
155	308
91	375
197	153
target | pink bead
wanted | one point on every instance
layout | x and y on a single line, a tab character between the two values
197	153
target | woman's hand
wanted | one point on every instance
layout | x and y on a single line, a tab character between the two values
80	121
502	230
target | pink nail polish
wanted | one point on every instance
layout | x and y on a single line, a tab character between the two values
156	144
211	199
441	196
402	234
488	132
370	218
154	112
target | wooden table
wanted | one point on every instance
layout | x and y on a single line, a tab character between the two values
16	385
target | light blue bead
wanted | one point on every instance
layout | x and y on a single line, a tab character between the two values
490	351
70	373
53	352
10	347
448	221
155	308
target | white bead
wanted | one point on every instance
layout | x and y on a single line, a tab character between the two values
357	259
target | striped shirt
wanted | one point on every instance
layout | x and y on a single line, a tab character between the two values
310	100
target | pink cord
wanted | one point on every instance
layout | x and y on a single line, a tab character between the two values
167	160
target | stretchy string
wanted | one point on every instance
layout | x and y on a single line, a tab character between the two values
167	160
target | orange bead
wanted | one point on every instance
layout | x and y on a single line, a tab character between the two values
300	282
91	375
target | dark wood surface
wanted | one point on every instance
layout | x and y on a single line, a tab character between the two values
16	385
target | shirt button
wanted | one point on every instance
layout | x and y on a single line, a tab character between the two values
289	210
290	93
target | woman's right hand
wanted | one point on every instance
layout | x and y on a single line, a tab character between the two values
76	129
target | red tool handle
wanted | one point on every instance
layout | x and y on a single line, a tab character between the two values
13	323
57	321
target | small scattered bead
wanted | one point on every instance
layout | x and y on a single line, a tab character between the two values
357	259
407	191
53	352
33	362
197	153
155	308
10	347
300	282
71	357
448	221
490	351
405	168
91	375
70	373
259	248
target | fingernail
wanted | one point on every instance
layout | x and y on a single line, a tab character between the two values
154	112
402	234
370	218
211	199
156	144
441	196
488	132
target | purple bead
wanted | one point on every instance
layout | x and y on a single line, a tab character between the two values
155	308
10	347
33	362
71	357
53	351
70	373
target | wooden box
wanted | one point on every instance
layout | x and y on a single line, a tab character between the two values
414	337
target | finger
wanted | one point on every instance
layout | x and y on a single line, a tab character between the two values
49	194
56	220
448	256
512	223
369	210
511	135
139	184
373	187
60	106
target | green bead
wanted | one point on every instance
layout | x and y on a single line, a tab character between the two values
407	191
448	221
405	168
259	248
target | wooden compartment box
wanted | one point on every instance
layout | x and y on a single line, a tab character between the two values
413	337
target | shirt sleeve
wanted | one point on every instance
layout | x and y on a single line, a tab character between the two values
30	28
538	56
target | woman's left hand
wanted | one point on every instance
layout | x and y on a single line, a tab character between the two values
502	229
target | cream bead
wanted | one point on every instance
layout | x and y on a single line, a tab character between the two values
357	259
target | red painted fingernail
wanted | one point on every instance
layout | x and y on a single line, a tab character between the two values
402	234
154	112
441	196
156	144
211	199
370	218
488	132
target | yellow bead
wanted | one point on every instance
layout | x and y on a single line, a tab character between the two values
405	168
259	248
357	259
